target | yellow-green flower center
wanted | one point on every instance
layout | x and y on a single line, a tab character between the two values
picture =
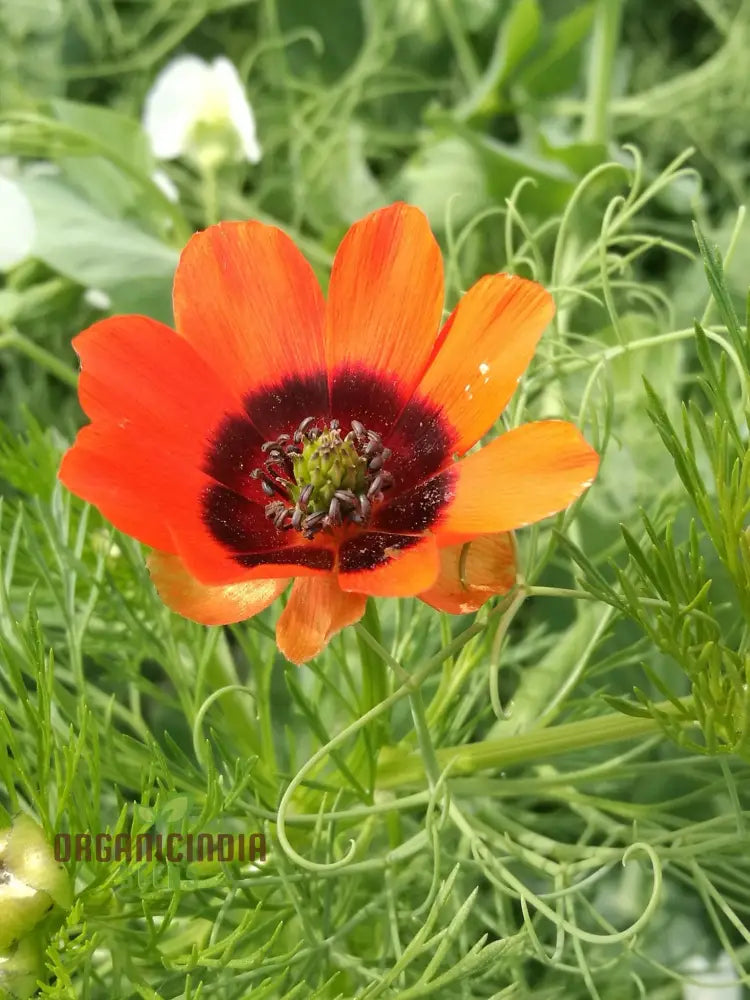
318	478
329	463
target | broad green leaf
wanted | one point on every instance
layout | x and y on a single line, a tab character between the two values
557	66
516	37
77	240
506	165
342	187
30	18
105	183
118	133
447	174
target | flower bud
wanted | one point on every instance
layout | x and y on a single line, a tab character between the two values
20	969
31	881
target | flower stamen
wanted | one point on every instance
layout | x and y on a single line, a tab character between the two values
318	479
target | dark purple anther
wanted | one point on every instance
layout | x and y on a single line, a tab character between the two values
334	512
375	486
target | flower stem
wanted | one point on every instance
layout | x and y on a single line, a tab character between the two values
395	768
595	124
210	191
45	359
467	61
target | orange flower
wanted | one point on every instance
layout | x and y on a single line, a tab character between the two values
277	434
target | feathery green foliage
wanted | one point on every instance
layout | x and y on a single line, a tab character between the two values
547	799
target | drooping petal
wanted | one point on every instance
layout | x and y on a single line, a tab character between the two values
317	609
472	573
388	565
521	477
181	592
385	301
489	341
249	303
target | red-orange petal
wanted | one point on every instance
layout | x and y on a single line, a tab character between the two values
209	605
317	609
521	477
138	372
472	573
134	486
491	338
388	565
251	306
385	301
140	457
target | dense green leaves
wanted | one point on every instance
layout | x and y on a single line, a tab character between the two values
548	798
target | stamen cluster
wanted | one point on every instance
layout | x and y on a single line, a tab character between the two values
319	479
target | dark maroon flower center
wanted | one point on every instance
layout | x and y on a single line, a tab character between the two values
368	442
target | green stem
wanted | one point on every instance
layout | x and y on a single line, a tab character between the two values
595	126
375	689
582	595
45	359
427	754
396	769
467	61
210	191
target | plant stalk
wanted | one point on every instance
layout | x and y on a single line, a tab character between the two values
595	125
396	769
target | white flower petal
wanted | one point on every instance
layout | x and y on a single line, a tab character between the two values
240	113
171	105
166	185
42	168
97	299
712	983
18	230
10	166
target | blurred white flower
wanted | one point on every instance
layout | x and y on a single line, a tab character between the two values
18	231
200	109
717	982
97	299
166	185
